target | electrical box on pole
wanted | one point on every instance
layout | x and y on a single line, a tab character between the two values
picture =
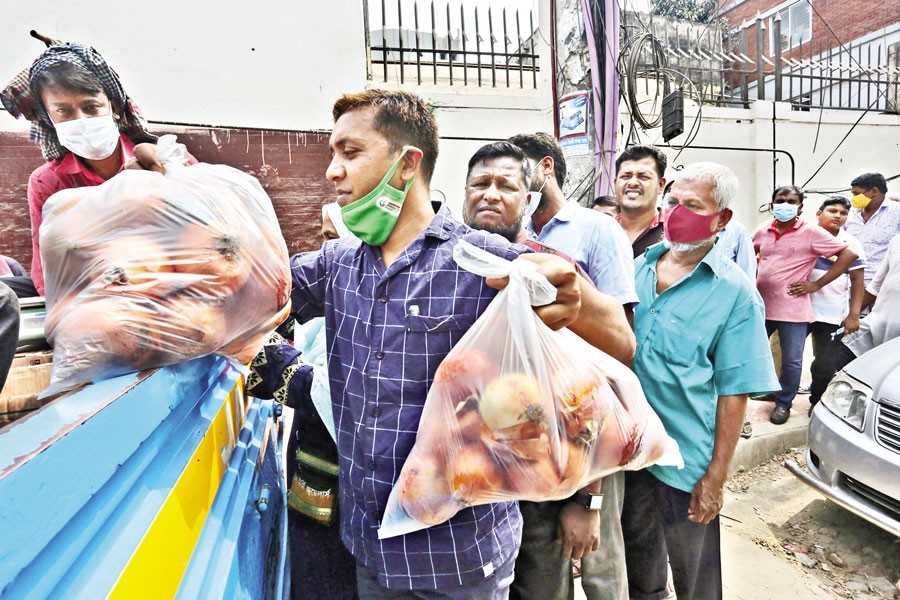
673	114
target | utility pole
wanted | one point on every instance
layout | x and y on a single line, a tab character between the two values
587	48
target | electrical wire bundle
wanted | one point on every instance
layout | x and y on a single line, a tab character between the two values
632	68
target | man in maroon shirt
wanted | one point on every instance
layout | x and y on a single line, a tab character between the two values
640	179
82	118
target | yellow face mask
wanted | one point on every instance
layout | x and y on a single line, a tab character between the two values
860	201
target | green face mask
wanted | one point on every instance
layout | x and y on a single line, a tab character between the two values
372	218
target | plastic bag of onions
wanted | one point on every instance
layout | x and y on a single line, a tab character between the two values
148	269
520	412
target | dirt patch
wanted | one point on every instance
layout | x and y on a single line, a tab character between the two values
776	511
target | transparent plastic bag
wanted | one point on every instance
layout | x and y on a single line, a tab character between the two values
148	269
520	412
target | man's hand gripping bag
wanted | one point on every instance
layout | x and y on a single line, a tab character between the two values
520	412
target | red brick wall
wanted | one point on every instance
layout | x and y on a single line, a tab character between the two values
848	19
291	167
18	158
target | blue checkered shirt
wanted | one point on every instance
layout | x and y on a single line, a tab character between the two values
388	329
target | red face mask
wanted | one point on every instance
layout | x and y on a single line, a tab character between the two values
682	225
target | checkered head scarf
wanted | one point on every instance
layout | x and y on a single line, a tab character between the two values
21	99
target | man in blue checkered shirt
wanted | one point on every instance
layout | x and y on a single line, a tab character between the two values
394	305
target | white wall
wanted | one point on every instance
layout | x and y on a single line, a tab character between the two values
276	64
281	64
268	63
809	137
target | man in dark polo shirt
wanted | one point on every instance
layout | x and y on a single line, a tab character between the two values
640	178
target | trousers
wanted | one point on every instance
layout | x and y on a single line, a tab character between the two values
793	338
825	358
542	574
657	531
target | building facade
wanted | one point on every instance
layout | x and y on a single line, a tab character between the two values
821	53
254	87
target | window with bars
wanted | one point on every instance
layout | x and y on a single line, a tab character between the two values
477	43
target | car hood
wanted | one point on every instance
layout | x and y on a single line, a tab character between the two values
877	368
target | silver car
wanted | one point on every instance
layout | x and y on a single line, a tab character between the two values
854	438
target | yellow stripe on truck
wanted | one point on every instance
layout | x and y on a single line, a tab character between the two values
158	564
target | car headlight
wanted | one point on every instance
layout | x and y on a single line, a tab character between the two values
847	401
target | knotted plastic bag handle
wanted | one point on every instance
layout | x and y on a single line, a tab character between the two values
170	152
521	272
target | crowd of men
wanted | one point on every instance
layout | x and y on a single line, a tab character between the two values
688	305
700	320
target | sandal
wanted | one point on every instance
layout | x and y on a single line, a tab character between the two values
746	430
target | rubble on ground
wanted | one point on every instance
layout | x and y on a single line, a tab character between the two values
849	556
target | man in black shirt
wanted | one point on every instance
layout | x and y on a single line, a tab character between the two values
640	178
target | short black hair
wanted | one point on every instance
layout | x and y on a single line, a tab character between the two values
867	181
639	152
788	189
499	150
403	118
537	146
606	201
831	200
70	77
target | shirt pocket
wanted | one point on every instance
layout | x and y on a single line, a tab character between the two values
439	324
685	334
427	340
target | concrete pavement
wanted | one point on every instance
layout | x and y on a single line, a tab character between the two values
753	573
768	440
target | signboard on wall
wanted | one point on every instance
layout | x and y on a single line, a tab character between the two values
573	124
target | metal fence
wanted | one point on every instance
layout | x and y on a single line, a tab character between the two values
735	68
427	43
693	49
814	74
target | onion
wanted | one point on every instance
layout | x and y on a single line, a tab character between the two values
133	264
106	330
190	326
475	478
464	372
216	253
471	425
511	400
574	461
582	398
424	492
616	444
533	479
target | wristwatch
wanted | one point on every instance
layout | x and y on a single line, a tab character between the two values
587	500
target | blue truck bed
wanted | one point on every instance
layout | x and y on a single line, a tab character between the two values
163	484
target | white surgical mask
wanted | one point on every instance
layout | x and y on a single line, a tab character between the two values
94	138
533	199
